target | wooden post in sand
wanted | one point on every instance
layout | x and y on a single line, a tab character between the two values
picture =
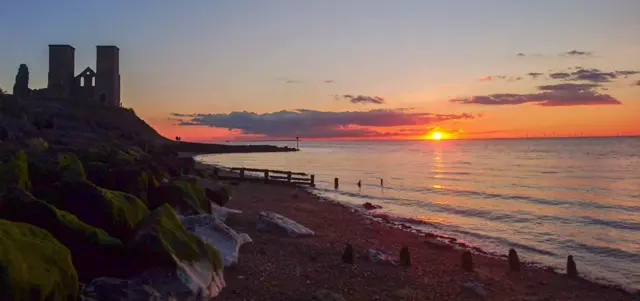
289	177
335	183
313	180
242	174
215	173
266	176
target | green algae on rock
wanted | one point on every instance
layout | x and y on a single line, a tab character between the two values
94	252
175	260
96	172
161	238
185	194
130	180
34	265
114	211
71	167
15	171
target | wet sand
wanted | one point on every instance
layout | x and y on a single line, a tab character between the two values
282	268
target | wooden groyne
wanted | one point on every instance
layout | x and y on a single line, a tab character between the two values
266	175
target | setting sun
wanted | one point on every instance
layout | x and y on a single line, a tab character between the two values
435	136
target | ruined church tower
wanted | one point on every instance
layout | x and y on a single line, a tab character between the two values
61	71
107	90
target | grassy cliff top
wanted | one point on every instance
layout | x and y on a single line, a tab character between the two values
81	125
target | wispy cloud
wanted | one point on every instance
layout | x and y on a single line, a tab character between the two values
361	99
579	74
319	124
566	94
520	54
637	83
329	81
535	75
568	87
592	75
577	53
627	73
559	75
500	77
291	81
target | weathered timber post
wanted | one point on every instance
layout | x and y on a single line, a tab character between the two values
335	183
266	176
313	180
289	176
241	173
215	173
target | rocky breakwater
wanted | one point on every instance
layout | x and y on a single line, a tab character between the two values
110	223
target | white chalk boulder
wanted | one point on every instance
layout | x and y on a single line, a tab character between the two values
214	232
275	223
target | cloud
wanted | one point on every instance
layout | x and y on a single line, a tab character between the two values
568	87
329	81
520	54
567	94
361	99
559	75
593	75
292	82
626	73
182	115
534	75
319	124
637	83
500	77
577	53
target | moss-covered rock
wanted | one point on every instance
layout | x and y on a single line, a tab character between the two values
119	158
94	252
71	168
131	180
15	171
34	265
46	168
185	194
96	172
38	144
219	194
161	242
114	211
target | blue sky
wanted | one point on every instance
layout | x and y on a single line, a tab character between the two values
222	56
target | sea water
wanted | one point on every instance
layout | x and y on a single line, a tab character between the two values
547	198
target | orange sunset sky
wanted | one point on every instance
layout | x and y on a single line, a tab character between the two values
359	69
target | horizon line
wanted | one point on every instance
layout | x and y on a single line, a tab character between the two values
417	139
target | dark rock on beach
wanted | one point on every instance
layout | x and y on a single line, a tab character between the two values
467	261
113	289
219	195
348	256
572	270
369	206
514	261
405	257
